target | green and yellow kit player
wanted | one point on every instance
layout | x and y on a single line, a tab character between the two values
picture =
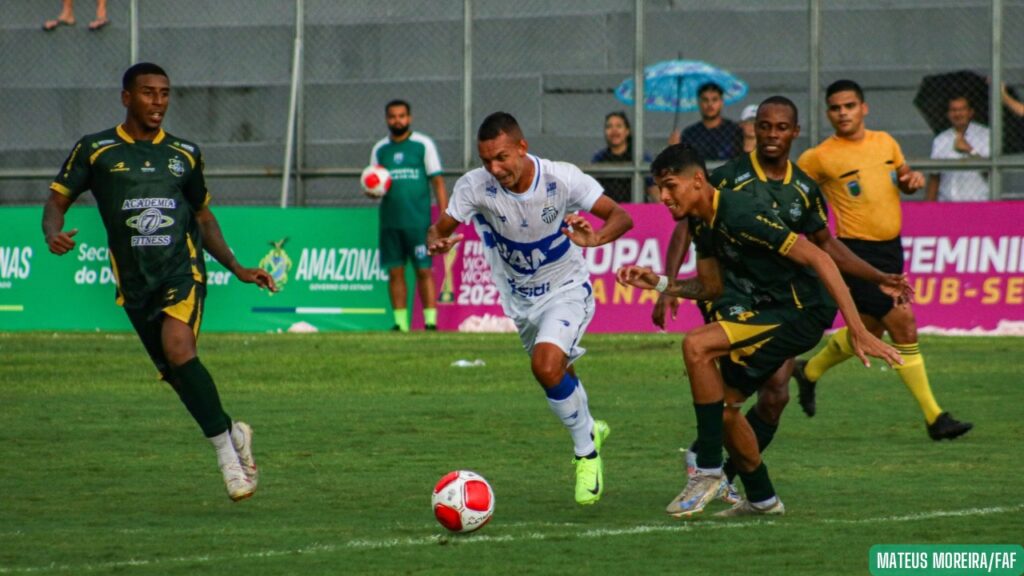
152	198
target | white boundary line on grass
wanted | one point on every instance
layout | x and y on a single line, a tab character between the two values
483	539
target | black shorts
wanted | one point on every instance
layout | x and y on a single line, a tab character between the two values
887	256
762	340
181	298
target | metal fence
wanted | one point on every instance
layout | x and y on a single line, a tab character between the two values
269	87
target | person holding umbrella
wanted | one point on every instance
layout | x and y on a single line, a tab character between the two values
715	137
964	138
861	173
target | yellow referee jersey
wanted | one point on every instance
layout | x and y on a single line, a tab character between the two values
859	179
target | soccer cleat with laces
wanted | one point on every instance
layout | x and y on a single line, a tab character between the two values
590	471
701	488
730	495
241	438
238	485
946	427
806	387
745	508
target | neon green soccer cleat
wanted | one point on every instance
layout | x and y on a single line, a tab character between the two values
590	471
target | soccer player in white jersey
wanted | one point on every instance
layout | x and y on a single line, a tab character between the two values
525	209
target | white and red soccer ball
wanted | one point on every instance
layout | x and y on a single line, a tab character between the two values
375	180
463	501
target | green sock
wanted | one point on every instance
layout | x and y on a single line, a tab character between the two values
430	316
402	319
709	434
757	484
199	395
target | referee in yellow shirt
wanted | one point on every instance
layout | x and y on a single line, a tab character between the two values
861	172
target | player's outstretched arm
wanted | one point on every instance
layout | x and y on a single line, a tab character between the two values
214	243
706	286
896	286
439	236
678	244
616	223
57	240
864	343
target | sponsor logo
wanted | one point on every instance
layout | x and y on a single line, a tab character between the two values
143	203
176	166
742	177
803	186
102	143
277	264
119	167
149	221
147	167
151	241
524	224
188	147
491	192
854	187
552	189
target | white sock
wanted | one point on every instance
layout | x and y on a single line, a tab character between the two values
225	449
765	504
711	471
575	415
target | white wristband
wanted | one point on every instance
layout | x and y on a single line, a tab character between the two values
662	283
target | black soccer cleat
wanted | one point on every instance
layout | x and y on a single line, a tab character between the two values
946	427
806	386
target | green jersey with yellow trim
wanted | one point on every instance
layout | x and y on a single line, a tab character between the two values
796	199
147	193
750	242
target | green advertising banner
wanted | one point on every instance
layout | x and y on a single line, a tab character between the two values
325	261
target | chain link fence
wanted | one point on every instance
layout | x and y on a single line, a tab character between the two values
924	65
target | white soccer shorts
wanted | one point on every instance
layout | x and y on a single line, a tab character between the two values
560	320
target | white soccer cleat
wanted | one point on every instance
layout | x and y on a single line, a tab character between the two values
730	495
241	438
238	484
701	489
745	508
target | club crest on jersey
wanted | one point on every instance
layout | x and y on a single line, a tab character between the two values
176	166
796	210
399	157
549	214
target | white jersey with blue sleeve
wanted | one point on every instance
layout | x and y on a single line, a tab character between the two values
530	258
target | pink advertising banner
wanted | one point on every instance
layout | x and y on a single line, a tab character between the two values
965	261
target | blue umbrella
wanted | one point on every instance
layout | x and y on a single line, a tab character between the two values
671	86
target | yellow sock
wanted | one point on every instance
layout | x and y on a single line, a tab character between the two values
837	350
402	319
915	378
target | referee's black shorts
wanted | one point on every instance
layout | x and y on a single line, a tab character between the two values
887	256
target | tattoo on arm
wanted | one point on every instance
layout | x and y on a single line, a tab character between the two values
692	289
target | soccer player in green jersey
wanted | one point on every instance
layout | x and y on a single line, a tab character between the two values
415	166
767	171
774	294
152	197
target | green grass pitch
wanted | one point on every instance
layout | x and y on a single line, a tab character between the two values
103	472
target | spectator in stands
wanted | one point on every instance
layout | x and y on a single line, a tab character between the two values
963	139
715	137
1014	105
415	168
67	16
747	125
618	137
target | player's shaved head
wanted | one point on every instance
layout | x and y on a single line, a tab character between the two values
498	123
678	159
781	101
140	69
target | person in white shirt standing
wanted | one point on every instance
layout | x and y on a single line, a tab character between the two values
525	209
964	139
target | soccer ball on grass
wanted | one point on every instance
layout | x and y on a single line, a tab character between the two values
463	501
